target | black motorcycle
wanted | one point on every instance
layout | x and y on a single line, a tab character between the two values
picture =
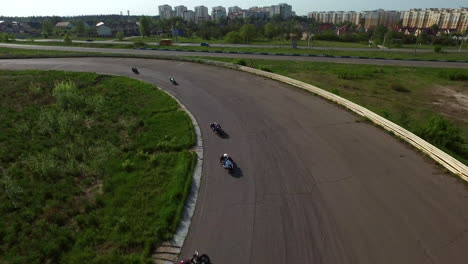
197	259
135	70
173	81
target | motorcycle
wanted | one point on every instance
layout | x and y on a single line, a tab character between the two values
216	128
228	164
197	259
135	70
173	81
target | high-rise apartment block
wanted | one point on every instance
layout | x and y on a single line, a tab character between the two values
338	17
165	11
451	19
189	15
179	11
218	12
201	13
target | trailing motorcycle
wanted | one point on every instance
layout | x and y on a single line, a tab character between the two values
197	259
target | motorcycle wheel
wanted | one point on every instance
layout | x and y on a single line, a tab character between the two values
205	259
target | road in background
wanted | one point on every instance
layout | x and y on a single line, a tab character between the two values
389	62
312	47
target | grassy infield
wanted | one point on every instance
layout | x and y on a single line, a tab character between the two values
95	169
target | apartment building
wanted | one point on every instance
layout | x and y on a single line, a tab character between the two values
188	15
357	18
179	11
201	13
449	19
165	11
218	12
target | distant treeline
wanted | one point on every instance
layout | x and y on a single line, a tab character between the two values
41	19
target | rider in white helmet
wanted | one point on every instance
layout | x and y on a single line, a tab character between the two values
224	157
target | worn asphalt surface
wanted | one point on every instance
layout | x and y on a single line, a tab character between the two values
389	62
314	184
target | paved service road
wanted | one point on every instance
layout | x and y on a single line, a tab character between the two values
314	184
270	57
313	47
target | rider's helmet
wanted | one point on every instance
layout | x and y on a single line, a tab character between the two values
225	155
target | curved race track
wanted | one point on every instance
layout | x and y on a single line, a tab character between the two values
315	185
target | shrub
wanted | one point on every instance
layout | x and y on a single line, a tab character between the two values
335	91
443	133
437	49
241	62
67	96
264	68
399	88
35	89
67	40
119	35
233	37
454	75
139	44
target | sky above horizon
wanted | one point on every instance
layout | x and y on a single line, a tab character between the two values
150	8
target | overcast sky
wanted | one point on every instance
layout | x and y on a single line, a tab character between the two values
145	7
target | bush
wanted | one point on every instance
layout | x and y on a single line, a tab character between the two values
399	88
352	75
119	35
454	75
263	68
241	62
67	40
437	49
67	96
233	37
443	133
139	44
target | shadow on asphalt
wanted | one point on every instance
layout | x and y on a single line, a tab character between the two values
223	135
236	172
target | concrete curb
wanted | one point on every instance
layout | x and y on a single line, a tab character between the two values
169	251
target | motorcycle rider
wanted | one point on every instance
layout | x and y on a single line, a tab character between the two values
215	126
225	157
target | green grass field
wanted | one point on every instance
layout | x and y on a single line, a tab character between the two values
431	102
462	56
9	52
313	43
95	168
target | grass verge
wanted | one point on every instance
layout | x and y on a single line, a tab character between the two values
430	102
95	168
459	56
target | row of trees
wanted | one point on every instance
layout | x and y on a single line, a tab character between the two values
241	31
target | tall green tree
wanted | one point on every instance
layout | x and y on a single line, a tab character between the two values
47	29
248	32
379	34
271	30
80	28
145	26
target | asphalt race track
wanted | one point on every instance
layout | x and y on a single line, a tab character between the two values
313	185
436	64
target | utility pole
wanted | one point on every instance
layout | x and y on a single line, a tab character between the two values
415	44
461	44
